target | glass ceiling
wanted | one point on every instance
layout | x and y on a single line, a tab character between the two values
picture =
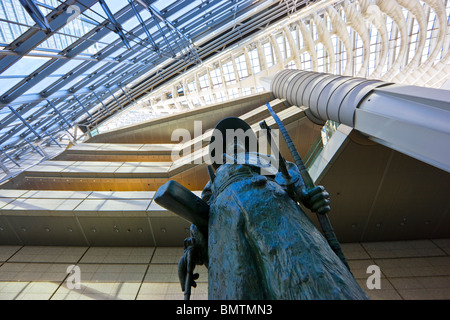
68	64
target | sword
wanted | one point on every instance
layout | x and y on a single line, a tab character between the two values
324	221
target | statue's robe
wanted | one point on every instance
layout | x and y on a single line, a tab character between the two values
261	244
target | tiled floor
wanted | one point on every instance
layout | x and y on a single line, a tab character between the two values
105	273
409	270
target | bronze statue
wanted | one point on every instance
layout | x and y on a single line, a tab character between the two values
251	233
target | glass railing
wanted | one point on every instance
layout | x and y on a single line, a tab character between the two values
320	142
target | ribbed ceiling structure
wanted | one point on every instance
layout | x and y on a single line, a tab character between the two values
404	42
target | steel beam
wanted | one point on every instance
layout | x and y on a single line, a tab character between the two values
117	26
101	101
9	157
24	122
84	108
141	21
59	113
133	74
53	139
117	101
36	14
35	148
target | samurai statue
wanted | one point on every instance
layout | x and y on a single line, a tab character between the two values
250	231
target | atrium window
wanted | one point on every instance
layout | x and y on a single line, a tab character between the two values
431	35
306	63
221	96
254	60
180	91
191	86
241	64
204	82
228	73
209	99
233	93
291	65
269	54
246	91
216	77
340	54
196	102
414	39
322	58
294	34
284	47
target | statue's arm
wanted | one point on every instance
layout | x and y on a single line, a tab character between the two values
195	249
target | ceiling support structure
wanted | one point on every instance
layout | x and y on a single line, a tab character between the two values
101	101
412	120
25	122
84	108
35	148
36	14
141	21
117	101
117	26
53	139
10	158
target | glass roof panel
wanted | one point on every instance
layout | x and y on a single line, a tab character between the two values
95	13
15	20
161	4
116	5
68	66
184	10
22	67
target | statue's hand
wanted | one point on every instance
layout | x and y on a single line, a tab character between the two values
317	200
186	265
195	253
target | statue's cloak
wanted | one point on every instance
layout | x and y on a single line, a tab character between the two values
261	244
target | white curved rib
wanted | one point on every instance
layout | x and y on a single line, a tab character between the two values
372	13
340	30
325	39
357	23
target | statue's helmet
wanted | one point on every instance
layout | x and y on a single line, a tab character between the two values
231	131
